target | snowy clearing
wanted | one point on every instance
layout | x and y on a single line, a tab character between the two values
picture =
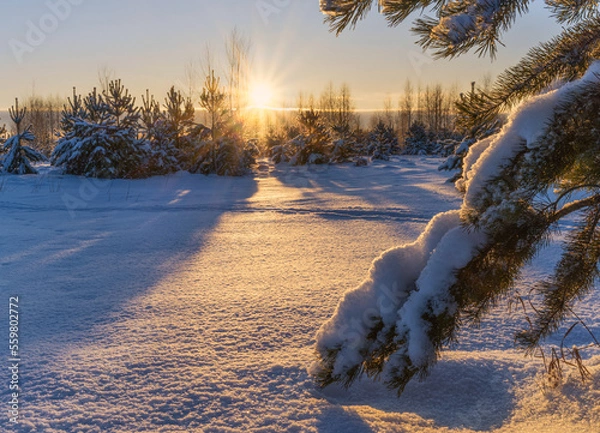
191	304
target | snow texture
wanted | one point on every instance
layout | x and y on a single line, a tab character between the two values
189	303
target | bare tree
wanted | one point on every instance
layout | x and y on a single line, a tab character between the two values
191	77
105	76
419	101
43	115
407	107
449	108
345	107
237	48
389	114
337	107
207	61
301	102
327	104
433	107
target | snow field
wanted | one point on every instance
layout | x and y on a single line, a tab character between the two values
191	303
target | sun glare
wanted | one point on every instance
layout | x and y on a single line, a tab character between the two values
261	95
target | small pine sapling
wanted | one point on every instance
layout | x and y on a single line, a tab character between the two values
19	157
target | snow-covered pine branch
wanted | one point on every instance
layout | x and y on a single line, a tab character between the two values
394	325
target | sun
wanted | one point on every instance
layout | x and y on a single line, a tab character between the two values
261	95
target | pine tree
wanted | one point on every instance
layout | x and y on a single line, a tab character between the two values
343	150
163	155
275	144
18	157
519	185
214	101
418	141
221	149
313	145
180	119
383	142
101	135
229	155
172	133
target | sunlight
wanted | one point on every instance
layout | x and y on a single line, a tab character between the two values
261	95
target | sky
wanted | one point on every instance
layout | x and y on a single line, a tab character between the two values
50	46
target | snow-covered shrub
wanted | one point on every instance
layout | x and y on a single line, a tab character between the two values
344	150
171	134
275	142
382	142
163	156
281	153
273	138
18	157
447	146
427	142
418	141
275	146
314	145
100	136
100	150
361	161
226	156
311	144
306	150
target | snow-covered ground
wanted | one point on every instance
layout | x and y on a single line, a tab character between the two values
190	304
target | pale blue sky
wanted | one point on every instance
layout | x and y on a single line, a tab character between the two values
148	43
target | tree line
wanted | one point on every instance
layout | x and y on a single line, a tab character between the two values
107	134
208	128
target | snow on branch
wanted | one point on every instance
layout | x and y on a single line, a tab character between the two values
416	297
464	24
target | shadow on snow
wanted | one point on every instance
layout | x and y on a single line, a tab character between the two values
110	249
472	393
